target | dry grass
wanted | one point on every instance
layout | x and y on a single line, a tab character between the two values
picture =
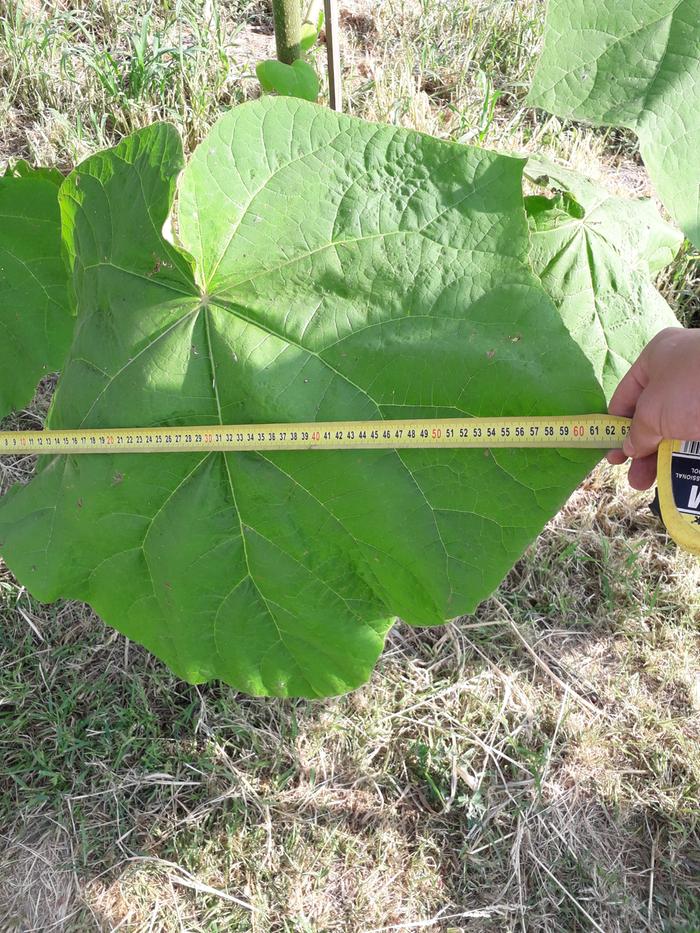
518	770
533	768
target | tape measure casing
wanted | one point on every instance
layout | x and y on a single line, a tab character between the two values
678	481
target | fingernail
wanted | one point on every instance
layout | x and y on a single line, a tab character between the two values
628	448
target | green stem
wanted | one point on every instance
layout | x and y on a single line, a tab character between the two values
287	15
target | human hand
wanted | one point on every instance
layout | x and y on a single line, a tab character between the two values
661	394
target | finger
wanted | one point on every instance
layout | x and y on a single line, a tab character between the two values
643	472
644	436
626	395
616	457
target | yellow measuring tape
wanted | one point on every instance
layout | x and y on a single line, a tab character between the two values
679	461
601	431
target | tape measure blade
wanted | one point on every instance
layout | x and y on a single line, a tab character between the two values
585	431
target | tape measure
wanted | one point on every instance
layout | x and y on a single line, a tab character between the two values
679	461
678	492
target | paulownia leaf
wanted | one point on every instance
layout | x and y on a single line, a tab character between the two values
296	80
311	30
634	64
22	169
340	270
309	36
35	319
595	255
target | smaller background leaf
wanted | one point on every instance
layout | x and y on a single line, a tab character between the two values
310	32
635	65
35	310
312	25
22	169
595	255
296	80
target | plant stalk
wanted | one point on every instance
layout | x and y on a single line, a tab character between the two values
287	15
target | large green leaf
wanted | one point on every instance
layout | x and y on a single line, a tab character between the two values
595	255
633	64
35	320
340	270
